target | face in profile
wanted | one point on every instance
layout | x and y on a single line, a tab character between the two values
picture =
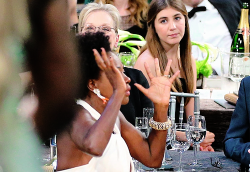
106	88
101	21
170	26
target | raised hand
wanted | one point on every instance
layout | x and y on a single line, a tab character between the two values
159	90
107	65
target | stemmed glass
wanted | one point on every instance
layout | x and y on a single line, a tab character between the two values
237	68
196	133
141	123
179	141
53	152
149	113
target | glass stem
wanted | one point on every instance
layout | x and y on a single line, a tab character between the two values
180	167
195	154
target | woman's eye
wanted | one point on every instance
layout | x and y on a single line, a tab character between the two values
177	18
163	21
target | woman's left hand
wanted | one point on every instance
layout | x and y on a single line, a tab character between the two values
159	90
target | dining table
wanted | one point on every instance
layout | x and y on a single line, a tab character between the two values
217	120
210	162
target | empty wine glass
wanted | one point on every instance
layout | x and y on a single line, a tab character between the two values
179	141
196	133
53	152
149	113
141	123
235	66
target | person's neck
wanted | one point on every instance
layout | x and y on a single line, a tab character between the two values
171	50
193	4
96	103
122	6
173	53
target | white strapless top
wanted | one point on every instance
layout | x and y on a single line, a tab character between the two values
116	156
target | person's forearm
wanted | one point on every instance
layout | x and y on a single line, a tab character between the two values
236	149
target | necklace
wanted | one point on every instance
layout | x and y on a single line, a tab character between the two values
176	65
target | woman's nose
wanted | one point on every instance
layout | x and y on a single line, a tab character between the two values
172	25
126	78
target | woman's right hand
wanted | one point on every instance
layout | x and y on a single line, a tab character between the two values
207	142
107	65
160	87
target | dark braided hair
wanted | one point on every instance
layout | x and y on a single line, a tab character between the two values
89	69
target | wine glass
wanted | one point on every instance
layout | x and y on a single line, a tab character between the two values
234	66
53	152
149	113
141	123
179	141
237	68
196	133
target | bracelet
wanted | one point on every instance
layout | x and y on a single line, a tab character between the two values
159	125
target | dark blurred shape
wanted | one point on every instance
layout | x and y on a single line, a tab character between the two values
52	59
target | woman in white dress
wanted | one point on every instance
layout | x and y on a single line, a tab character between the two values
100	138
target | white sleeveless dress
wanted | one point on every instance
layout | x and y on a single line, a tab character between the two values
116	156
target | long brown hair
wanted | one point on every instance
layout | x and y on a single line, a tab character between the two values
156	49
139	12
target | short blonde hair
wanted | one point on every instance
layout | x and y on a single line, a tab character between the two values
137	8
110	9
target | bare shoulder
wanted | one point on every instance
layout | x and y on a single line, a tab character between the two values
83	117
192	59
125	127
144	57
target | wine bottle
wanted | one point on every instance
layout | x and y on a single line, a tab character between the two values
240	41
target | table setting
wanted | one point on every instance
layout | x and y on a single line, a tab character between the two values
180	157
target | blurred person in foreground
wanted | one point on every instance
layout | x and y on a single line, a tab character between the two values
106	18
100	138
19	146
53	62
237	139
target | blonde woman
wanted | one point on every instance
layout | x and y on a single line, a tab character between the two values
133	14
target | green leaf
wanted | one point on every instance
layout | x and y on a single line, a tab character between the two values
135	43
202	66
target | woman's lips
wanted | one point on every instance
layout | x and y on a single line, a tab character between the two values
127	93
173	35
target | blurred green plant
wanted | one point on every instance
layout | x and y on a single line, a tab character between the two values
202	66
131	44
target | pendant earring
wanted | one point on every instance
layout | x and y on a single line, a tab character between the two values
98	93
